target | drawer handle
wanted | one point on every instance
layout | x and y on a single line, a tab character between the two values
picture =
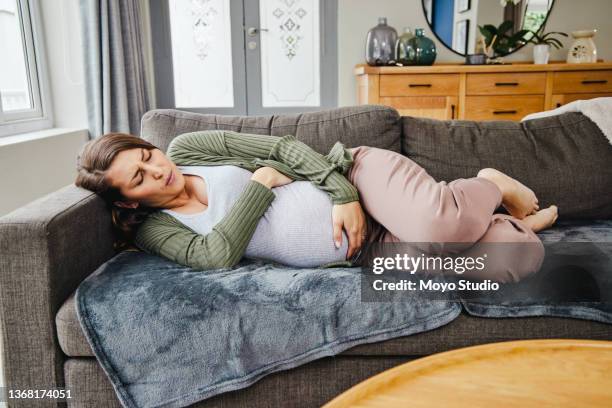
594	81
505	112
506	84
419	85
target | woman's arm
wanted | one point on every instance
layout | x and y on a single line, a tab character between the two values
161	234
223	146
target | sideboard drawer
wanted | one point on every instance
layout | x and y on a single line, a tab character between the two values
434	107
502	107
582	82
560	100
419	85
506	83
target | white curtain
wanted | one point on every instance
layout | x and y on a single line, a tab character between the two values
116	81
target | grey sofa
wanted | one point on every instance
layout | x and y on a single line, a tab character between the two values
49	246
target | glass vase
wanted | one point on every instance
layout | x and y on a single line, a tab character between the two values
424	49
403	49
380	44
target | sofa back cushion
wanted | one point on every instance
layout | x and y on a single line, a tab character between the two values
565	159
371	125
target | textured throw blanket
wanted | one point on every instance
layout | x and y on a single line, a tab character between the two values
169	336
599	110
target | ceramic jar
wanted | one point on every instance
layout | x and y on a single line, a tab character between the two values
380	44
403	48
583	49
423	49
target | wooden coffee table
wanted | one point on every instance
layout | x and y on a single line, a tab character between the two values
529	373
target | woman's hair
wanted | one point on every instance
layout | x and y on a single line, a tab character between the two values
92	164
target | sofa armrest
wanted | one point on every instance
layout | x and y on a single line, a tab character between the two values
47	248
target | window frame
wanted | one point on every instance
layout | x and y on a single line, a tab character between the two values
40	116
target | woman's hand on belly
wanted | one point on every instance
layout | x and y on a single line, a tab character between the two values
270	177
349	216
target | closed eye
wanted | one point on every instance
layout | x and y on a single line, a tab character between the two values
146	160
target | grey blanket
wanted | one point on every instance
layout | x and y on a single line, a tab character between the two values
169	336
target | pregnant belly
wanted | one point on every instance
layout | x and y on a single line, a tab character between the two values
297	229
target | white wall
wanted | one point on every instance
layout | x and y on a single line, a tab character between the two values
356	17
34	168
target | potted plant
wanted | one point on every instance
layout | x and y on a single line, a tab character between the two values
499	41
542	43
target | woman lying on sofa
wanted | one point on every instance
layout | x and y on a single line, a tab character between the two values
218	195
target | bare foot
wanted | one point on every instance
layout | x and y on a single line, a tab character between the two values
542	219
517	198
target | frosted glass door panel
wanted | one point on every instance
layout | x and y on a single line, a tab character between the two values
290	54
201	53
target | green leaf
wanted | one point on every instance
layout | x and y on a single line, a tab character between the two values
556	43
504	27
491	29
518	35
557	33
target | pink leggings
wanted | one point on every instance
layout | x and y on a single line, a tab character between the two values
405	204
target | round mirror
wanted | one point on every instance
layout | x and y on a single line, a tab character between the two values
467	26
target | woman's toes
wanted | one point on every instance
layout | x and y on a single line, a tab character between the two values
542	219
555	210
552	215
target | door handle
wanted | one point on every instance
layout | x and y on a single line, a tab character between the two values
252	31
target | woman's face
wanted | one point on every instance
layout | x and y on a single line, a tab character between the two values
145	177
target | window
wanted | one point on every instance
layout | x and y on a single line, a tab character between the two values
24	101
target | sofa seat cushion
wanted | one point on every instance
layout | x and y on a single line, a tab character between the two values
578	231
91	387
71	338
464	331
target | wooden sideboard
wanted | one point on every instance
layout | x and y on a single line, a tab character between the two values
481	92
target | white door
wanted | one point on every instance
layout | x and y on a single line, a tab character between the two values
245	57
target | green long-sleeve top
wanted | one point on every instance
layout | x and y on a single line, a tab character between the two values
161	234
